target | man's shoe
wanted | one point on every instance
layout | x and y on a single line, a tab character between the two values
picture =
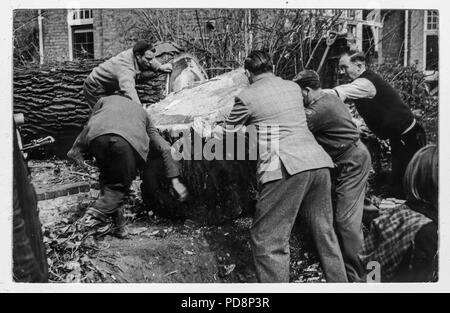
95	223
119	229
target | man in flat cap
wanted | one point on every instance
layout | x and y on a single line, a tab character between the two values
331	123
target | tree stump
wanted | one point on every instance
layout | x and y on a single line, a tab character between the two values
220	189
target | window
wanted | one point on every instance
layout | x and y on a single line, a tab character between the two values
351	29
432	53
81	33
431	41
432	20
80	17
83	42
351	14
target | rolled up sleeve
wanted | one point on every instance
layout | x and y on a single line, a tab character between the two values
360	88
155	65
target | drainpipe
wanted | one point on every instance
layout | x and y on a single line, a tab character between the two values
41	38
405	56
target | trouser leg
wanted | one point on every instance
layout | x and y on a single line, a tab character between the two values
350	189
151	176
275	214
117	163
403	149
316	210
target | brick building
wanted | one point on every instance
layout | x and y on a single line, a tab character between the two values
391	36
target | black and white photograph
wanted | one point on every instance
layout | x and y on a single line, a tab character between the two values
217	146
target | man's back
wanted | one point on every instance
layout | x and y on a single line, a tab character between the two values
331	123
107	73
276	110
121	116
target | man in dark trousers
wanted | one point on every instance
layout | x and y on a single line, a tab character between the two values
331	123
120	72
384	113
293	173
120	135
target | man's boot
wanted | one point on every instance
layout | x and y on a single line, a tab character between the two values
119	229
95	222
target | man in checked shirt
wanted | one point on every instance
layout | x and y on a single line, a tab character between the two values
384	113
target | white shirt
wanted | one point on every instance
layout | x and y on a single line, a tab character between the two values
357	89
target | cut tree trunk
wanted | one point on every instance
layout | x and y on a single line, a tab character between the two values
220	190
51	98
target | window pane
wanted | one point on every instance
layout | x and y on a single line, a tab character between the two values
432	52
83	42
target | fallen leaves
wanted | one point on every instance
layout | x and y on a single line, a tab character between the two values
68	254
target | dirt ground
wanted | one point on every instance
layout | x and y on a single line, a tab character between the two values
158	250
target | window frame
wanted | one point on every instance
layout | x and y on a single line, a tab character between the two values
429	32
77	21
86	28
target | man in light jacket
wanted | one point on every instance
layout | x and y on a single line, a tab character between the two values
293	173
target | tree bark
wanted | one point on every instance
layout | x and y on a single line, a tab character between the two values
220	189
51	98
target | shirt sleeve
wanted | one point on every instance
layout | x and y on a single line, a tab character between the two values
126	78
155	64
236	120
238	116
161	146
312	119
358	89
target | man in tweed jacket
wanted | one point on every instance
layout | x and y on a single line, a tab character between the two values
293	173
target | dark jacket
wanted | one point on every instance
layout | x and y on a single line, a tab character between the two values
331	123
121	116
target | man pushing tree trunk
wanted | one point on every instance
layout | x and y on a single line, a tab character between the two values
121	137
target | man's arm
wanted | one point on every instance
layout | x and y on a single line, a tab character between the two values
313	120
80	144
157	66
360	88
234	122
126	78
157	143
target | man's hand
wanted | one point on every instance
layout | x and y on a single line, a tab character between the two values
167	68
75	154
180	189
202	127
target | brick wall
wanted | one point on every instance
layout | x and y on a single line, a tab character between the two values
393	37
114	31
56	39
